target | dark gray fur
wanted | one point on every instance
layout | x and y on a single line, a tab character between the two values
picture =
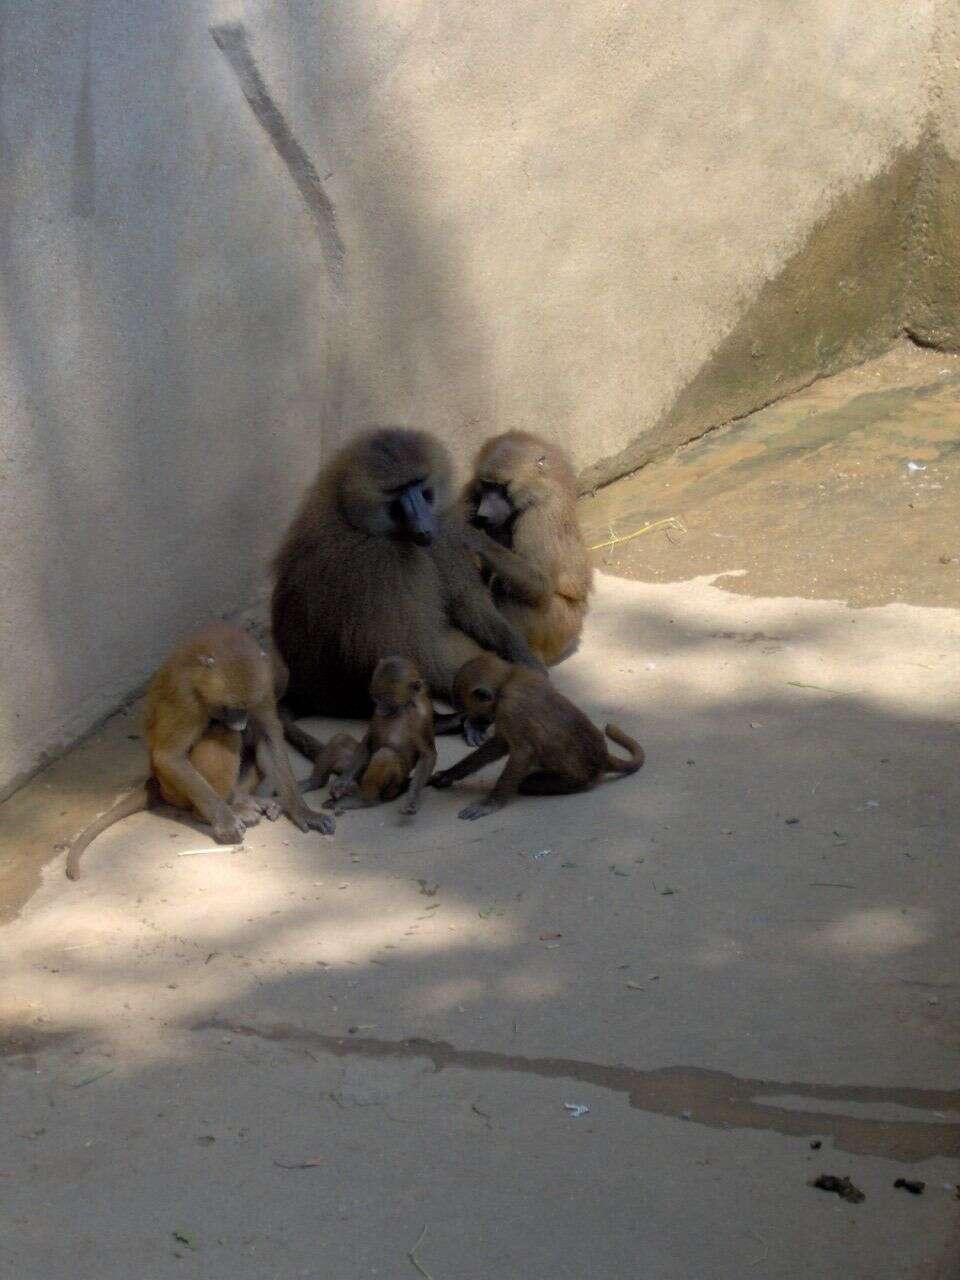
352	589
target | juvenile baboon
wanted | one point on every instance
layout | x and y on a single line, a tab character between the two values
551	746
376	563
399	739
523	501
212	732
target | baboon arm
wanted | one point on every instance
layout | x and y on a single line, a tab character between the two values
517	577
173	763
508	784
474	612
425	767
280	773
493	749
469	605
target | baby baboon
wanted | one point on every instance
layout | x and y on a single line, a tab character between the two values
551	746
399	739
523	501
212	731
376	563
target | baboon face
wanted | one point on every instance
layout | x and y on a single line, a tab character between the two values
494	508
477	700
396	486
476	685
395	684
511	473
229	685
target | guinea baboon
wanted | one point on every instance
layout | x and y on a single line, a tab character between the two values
399	739
523	501
376	563
551	746
212	732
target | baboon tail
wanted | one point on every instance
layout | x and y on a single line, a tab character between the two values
146	796
629	744
299	739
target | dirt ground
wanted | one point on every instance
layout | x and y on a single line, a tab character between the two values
610	1035
848	491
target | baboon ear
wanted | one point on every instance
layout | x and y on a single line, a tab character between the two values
206	659
542	461
482	693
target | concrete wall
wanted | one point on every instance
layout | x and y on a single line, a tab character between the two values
932	303
232	232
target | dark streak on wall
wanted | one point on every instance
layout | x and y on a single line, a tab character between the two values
231	40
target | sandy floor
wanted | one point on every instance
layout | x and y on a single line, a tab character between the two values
748	948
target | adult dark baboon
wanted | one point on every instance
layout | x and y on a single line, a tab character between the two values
376	563
523	501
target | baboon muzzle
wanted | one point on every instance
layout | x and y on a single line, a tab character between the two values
417	515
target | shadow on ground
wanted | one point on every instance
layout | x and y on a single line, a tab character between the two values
749	947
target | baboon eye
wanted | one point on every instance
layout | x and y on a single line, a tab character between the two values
483	695
416	686
428	495
396	511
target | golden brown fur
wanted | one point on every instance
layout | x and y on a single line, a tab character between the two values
375	563
551	746
212	732
523	501
399	740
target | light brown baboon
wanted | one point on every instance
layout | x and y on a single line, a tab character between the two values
212	732
550	745
399	739
522	499
376	563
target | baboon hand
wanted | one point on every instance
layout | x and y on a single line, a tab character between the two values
309	820
410	806
248	810
228	828
479	810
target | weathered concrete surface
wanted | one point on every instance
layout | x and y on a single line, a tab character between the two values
164	336
848	490
932	300
231	233
748	946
